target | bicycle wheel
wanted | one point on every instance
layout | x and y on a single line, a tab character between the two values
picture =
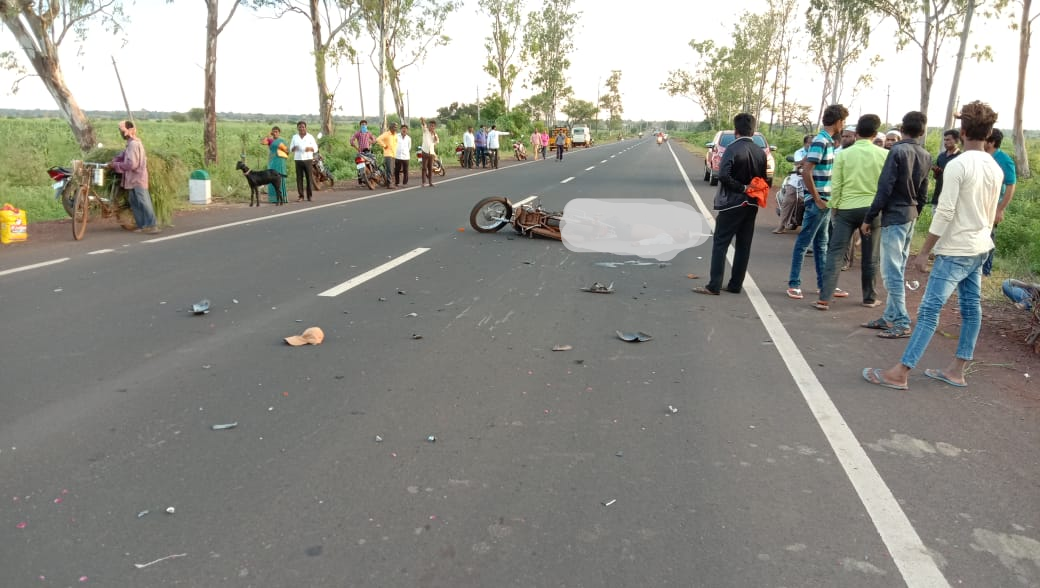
80	213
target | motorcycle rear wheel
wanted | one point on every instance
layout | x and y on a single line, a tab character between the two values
68	198
438	168
484	216
370	180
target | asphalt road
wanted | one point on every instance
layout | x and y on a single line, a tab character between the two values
781	467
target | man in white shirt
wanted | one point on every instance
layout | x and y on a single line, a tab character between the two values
403	156
468	145
960	235
429	151
493	136
303	147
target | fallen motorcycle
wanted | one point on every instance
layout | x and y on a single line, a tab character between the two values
519	151
491	214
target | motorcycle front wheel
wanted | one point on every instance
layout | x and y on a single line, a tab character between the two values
487	215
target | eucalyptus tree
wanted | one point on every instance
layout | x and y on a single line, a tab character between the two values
503	44
839	34
40	27
548	40
404	31
611	101
334	23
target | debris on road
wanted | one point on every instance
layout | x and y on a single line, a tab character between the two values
412	315
636	337
402	292
143	514
597	288
170	510
692	276
310	336
379	439
562	348
145	565
416	336
672	409
224	426
431	439
382	299
200	307
609	502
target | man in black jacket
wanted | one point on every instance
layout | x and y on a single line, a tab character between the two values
742	161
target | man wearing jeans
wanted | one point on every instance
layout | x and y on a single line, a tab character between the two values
133	164
816	173
854	184
960	235
901	194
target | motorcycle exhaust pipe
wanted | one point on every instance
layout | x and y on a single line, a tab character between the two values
543	232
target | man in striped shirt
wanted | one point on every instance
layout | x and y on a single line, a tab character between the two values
816	172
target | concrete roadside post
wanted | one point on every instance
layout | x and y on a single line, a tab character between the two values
199	191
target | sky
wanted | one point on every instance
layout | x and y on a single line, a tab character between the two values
264	65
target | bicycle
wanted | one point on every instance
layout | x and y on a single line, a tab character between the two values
88	177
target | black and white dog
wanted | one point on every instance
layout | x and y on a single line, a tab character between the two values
259	178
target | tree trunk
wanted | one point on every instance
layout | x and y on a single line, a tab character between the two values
209	131
395	86
926	78
1018	132
43	55
325	99
951	104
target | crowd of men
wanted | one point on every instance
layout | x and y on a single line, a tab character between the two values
854	183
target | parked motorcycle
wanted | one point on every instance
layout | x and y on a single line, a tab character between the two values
322	175
437	168
491	214
64	189
460	153
369	172
519	151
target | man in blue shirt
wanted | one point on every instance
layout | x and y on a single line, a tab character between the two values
1007	188
816	173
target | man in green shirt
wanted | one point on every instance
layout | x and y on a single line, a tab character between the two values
853	186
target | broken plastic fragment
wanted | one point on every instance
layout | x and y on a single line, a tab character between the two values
597	288
200	307
636	337
223	426
562	348
379	439
21	525
672	409
143	514
145	565
913	285
412	314
609	502
170	510
431	439
416	336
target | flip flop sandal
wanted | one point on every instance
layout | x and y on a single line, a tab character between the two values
839	293
894	333
873	375
703	290
939	375
795	293
879	324
821	305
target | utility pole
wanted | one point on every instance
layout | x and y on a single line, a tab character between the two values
361	94
382	65
888	96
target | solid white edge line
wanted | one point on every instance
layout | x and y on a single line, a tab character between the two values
15	270
604	161
904	544
100	251
567	180
361	279
591	167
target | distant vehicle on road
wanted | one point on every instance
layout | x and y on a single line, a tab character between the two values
581	136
